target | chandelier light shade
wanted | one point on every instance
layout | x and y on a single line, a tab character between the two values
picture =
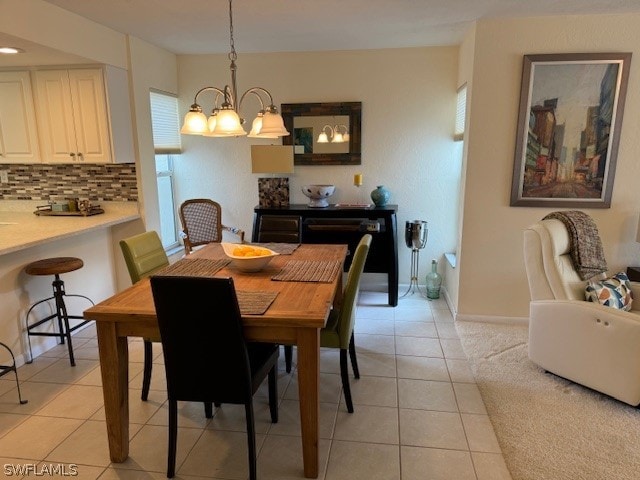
211	122
273	124
227	123
333	134
256	128
225	120
195	122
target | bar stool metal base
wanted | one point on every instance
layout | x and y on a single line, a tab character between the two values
5	369
62	317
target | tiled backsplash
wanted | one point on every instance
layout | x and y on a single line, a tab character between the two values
96	182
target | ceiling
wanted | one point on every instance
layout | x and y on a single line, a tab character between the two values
202	26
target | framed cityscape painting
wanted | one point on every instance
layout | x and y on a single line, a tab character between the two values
571	108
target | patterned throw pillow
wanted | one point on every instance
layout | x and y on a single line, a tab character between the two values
611	292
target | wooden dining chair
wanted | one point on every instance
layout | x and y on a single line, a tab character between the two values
201	220
144	255
338	332
205	355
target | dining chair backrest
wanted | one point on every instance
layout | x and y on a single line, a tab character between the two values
201	222
143	254
347	312
204	349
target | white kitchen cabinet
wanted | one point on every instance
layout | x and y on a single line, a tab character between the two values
73	117
18	133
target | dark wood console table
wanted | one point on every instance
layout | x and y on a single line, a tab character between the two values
346	225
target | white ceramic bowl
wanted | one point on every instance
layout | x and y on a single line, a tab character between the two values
248	264
318	194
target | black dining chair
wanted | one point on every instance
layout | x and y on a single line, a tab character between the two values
206	357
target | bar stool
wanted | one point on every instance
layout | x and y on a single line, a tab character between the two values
4	369
56	266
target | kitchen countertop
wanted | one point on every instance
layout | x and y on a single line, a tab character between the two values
20	228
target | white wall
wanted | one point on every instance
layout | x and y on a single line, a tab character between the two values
408	107
150	67
492	274
465	76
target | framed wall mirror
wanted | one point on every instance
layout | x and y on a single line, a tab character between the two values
323	133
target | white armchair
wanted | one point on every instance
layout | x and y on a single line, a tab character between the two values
587	343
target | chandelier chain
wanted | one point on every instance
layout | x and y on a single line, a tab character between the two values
225	121
232	54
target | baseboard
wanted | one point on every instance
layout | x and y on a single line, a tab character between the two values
463	317
21	359
375	286
447	298
492	319
370	283
38	349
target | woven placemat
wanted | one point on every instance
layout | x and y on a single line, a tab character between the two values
308	271
281	248
195	267
255	303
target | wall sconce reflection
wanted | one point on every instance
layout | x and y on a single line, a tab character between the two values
335	134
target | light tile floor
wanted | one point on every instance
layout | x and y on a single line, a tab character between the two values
418	413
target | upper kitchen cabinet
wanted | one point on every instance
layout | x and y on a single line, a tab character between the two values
18	134
82	118
72	115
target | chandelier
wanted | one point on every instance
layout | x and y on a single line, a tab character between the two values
225	120
335	134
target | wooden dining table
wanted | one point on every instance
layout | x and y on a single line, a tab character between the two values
295	317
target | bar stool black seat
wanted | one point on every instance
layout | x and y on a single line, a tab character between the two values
56	266
4	369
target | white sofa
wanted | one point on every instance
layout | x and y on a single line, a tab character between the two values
590	344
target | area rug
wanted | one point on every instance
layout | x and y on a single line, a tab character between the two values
548	428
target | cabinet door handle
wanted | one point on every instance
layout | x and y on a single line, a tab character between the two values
80	155
72	154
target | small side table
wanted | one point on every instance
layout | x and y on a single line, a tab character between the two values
633	273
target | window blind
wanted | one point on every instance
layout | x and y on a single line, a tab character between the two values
461	111
165	122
